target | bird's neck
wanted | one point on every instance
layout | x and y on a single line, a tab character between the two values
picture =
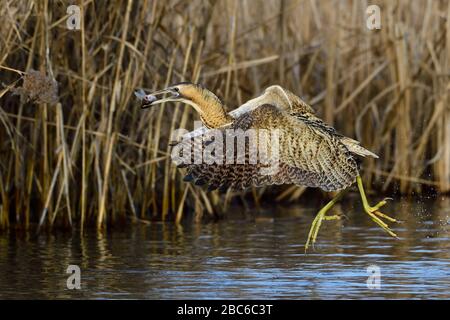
215	116
212	111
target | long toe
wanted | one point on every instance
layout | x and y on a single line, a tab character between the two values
385	216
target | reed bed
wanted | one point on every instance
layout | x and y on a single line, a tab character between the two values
91	156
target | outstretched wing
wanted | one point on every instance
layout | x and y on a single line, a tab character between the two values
287	101
306	155
273	95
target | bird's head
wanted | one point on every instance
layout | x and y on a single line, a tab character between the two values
170	94
186	92
206	103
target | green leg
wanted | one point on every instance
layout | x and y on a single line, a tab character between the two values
315	226
373	212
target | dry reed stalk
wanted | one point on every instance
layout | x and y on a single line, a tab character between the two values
83	124
442	165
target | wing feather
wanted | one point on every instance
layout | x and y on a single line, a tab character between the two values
308	156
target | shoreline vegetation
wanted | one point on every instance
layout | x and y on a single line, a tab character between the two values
76	149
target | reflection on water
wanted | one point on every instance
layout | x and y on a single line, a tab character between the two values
239	257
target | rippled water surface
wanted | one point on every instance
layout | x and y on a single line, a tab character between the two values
246	255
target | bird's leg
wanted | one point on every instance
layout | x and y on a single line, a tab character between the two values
315	226
333	217
373	212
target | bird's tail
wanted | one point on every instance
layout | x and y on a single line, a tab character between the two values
354	147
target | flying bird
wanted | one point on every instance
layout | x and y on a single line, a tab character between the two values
309	153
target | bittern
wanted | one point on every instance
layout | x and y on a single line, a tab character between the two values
311	153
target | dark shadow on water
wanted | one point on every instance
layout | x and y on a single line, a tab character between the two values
243	256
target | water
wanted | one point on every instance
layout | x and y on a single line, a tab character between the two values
240	257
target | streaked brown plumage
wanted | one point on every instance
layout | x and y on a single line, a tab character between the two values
311	153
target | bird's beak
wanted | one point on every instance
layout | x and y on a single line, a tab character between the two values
157	97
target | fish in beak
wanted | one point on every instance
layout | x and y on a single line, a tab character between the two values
161	96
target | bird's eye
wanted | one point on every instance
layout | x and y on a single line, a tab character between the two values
176	89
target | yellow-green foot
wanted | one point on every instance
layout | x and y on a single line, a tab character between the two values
377	216
373	211
321	216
